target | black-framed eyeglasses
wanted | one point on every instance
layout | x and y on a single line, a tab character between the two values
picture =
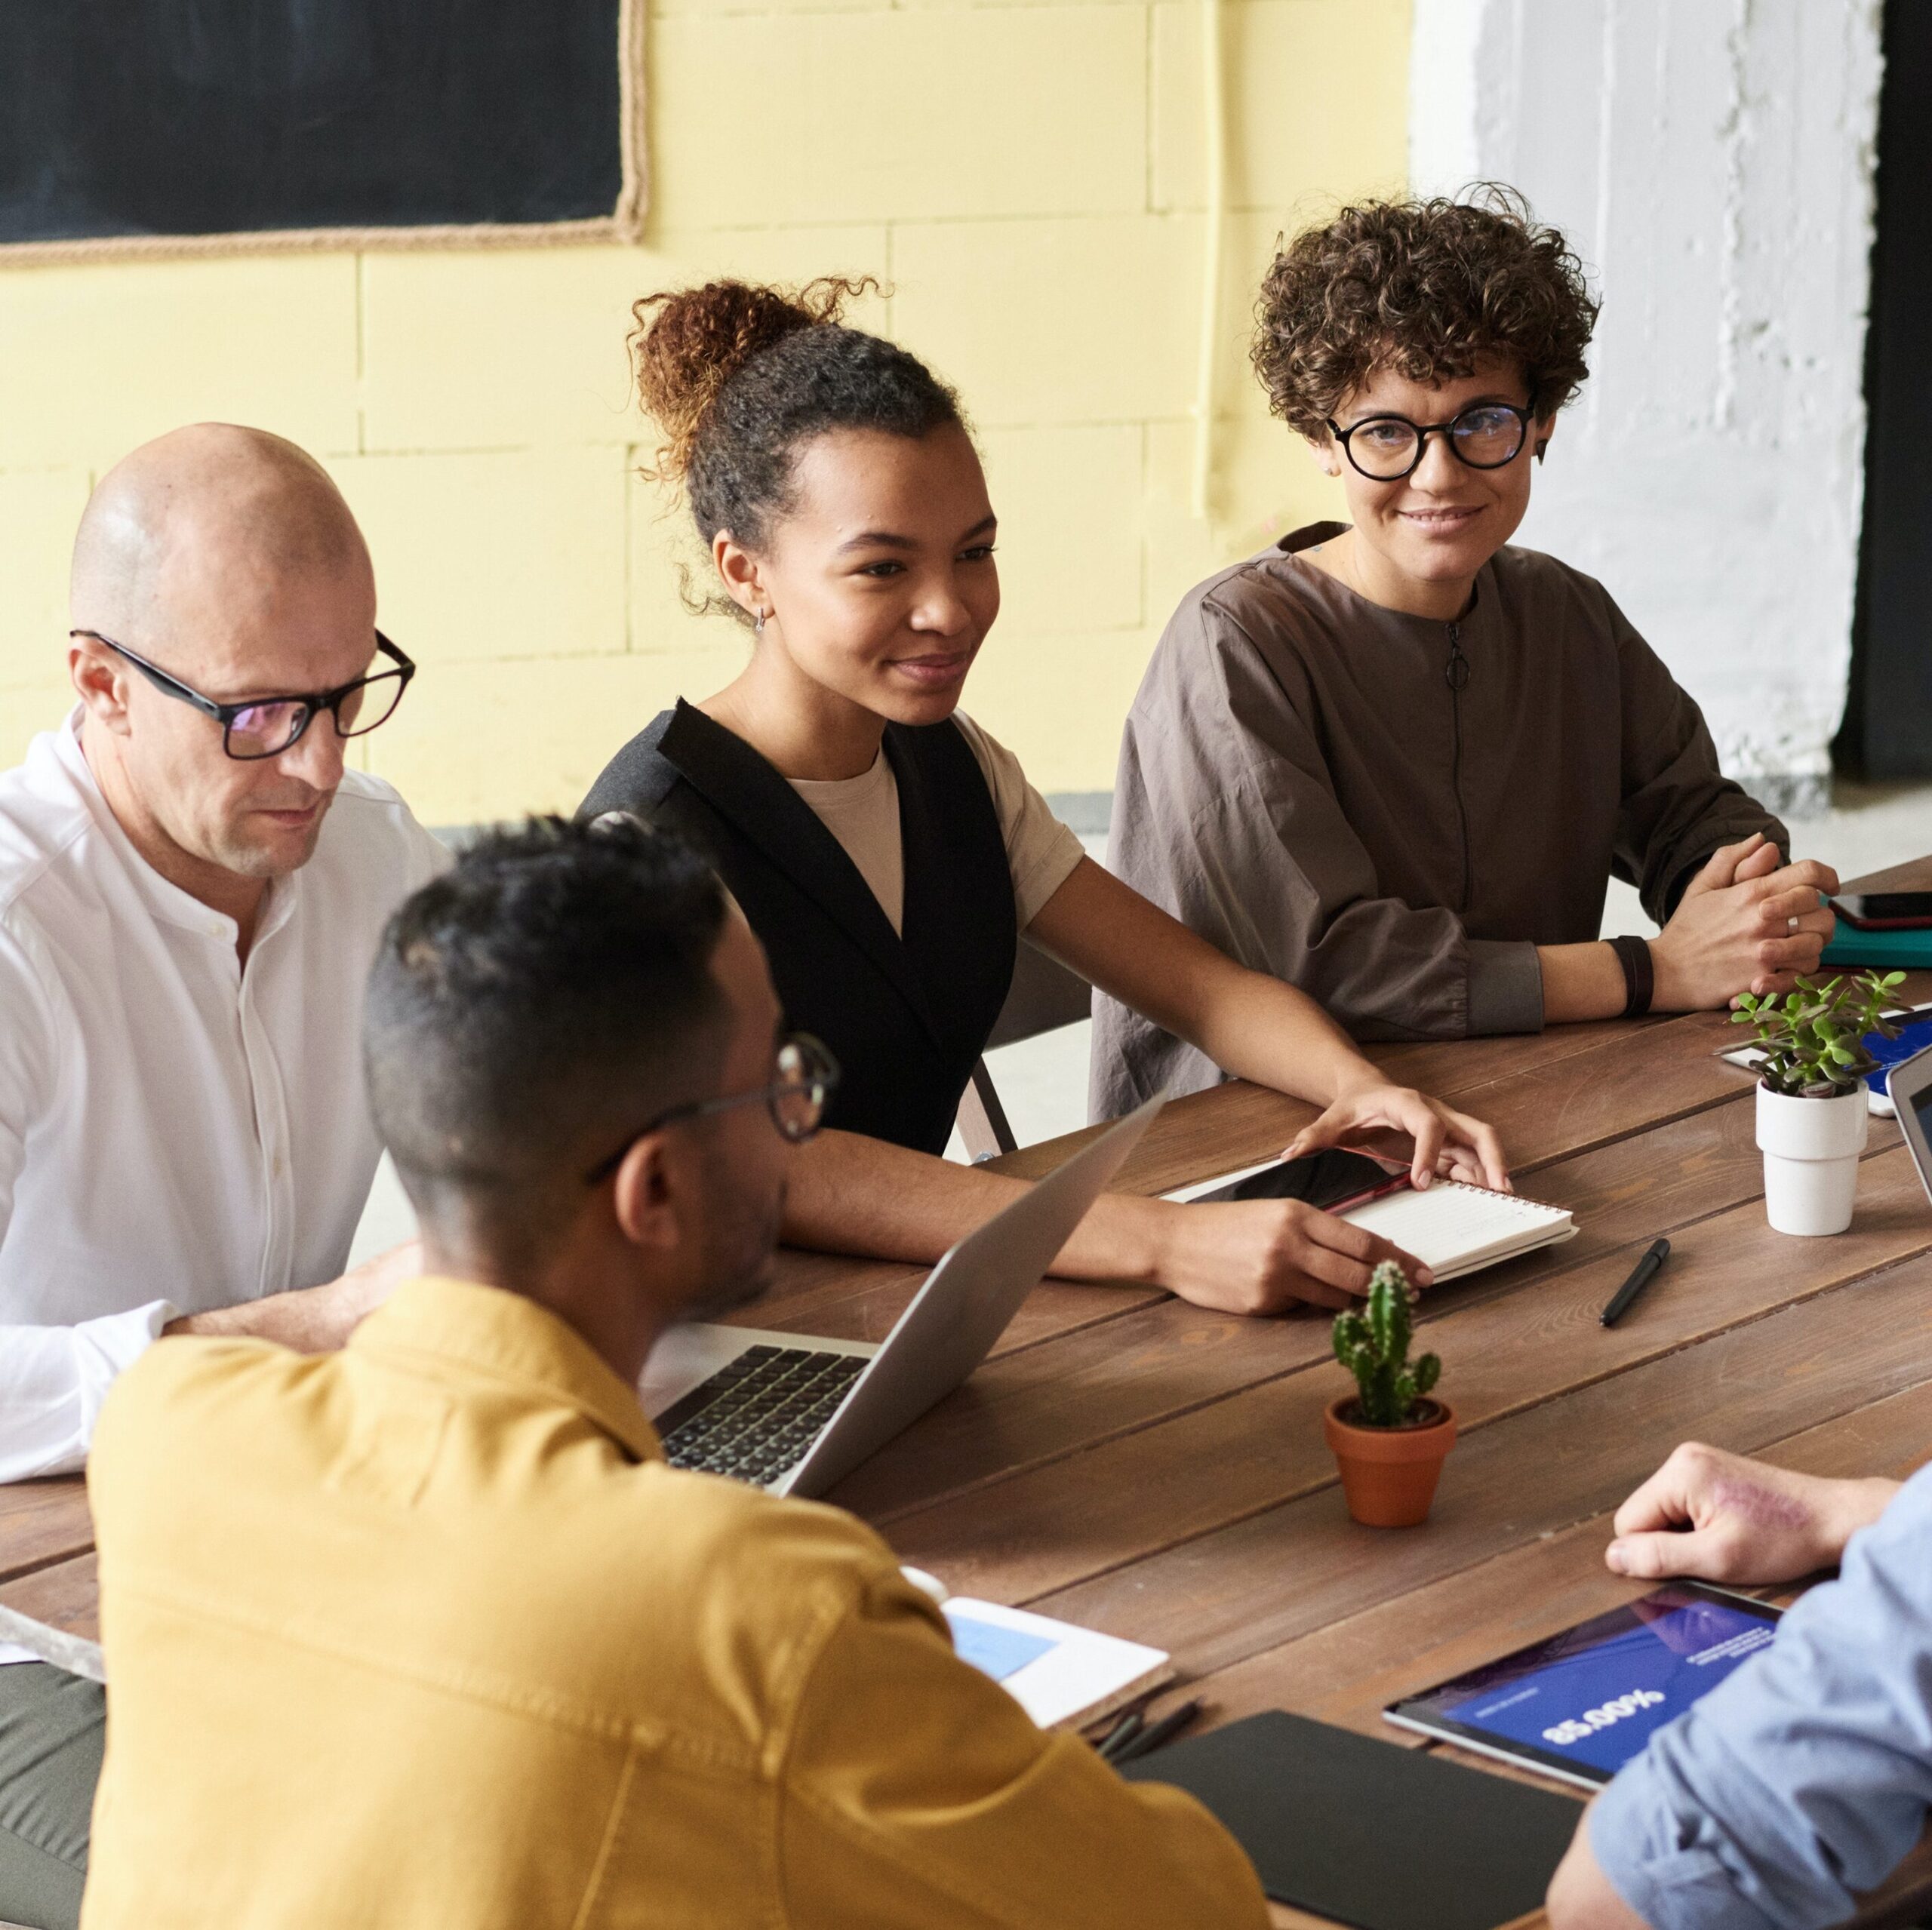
267	727
1489	435
796	1099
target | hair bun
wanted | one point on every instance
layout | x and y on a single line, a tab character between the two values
688	342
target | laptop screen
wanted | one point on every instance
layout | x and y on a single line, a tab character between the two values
1922	1107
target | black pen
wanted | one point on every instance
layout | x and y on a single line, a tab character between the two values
1121	1735
1154	1734
1641	1274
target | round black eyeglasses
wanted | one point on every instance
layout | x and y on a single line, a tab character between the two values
1490	435
808	1074
267	727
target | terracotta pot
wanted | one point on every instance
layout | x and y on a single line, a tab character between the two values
1389	1474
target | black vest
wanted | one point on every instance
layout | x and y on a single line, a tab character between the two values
907	1017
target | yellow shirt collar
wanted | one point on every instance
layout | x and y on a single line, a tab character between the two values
486	1330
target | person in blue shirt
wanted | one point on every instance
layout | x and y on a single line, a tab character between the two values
1804	1779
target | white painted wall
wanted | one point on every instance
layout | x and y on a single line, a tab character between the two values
1711	161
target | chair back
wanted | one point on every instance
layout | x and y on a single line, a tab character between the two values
1044	997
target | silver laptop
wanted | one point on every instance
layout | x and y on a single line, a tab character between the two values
794	1413
1909	1085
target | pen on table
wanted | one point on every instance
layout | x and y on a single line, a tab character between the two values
1154	1734
1641	1274
1121	1733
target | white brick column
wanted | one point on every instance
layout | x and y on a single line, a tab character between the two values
1711	160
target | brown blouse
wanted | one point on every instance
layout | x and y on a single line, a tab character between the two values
1393	813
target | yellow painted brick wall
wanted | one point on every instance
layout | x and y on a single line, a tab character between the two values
1028	178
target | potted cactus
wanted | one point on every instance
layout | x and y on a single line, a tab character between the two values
1812	1116
1388	1437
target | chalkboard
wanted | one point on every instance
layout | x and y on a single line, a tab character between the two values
165	125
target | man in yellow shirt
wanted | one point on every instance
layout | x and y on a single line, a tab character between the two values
427	1632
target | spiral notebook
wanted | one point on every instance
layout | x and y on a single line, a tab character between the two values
1454	1228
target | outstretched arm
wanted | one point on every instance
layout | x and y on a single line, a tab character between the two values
312	1320
53	1379
1253	1025
850	1194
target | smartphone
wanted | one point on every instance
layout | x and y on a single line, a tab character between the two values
1880	911
1334	1177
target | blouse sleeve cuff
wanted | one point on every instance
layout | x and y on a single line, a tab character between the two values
1053	867
1506	987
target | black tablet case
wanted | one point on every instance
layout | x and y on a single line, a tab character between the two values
1368	1833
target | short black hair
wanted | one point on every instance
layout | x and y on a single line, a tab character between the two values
552	991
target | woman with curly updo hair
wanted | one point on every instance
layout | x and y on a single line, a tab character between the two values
890	854
1395	761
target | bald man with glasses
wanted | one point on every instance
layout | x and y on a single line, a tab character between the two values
191	887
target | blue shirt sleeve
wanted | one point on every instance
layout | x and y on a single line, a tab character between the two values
1806	1776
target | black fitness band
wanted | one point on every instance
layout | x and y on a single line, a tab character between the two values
1639	974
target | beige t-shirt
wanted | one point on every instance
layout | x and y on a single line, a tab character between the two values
862	813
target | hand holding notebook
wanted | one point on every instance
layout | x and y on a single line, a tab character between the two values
1453	1228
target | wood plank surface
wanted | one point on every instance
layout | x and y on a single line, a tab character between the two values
40	1523
1160	1486
1216	1598
1554	1100
1073	1392
1348	1671
66	1595
1459	1065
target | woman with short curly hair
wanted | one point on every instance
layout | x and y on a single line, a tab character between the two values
1395	761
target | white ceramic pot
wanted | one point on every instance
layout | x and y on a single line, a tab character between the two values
1811	1148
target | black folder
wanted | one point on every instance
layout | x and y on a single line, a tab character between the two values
1370	1833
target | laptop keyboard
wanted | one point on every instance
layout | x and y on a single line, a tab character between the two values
755	1418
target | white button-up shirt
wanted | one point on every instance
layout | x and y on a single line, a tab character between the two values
177	1133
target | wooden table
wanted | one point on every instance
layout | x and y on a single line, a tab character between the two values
1133	1463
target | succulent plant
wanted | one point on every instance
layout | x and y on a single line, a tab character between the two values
1373	1343
1814	1037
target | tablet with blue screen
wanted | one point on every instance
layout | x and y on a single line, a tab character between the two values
1580	1705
